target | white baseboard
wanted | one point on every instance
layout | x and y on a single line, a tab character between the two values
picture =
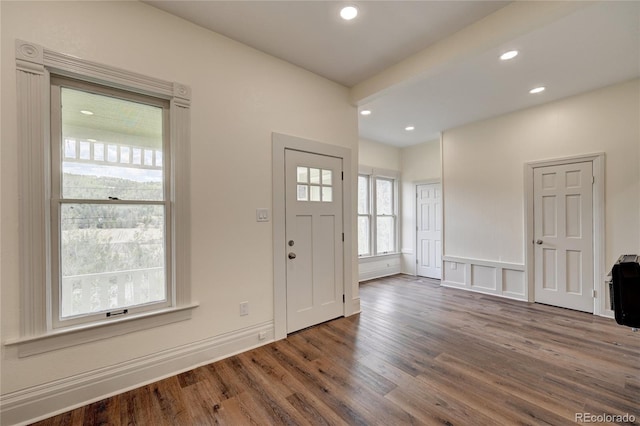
46	400
355	307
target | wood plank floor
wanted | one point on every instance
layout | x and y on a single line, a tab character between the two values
417	354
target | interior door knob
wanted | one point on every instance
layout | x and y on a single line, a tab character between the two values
538	242
292	255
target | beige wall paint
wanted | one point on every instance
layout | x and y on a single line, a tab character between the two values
240	96
378	155
419	163
483	170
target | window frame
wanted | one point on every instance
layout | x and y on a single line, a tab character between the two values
366	215
35	65
393	215
373	175
58	200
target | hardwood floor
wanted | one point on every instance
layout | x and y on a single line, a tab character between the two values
417	354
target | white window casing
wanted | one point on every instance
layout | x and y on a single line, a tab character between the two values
34	66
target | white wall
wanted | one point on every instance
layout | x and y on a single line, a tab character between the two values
378	155
375	155
483	172
240	96
419	163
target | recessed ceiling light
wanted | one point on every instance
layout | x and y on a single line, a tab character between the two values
91	140
348	12
509	55
409	128
537	90
86	112
365	112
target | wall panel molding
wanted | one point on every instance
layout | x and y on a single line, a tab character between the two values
485	276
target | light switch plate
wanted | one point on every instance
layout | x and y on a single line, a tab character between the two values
262	215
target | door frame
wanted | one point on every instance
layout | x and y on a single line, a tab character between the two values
598	161
280	143
416	184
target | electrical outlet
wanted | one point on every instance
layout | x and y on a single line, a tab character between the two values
244	308
262	335
454	266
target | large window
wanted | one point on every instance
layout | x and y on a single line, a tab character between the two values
104	206
109	202
377	214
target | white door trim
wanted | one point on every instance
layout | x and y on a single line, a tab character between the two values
280	143
597	159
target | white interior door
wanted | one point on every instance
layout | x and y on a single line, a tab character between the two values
429	228
313	203
563	235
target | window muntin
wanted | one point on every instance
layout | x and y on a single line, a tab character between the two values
110	205
314	184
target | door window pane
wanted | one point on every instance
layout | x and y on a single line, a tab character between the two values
314	176
327	194
303	193
111	257
326	177
303	173
314	193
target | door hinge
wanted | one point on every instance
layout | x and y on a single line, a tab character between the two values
342	175
593	179
417	262
594	294
343	299
343	237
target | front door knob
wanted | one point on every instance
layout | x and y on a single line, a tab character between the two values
538	242
292	255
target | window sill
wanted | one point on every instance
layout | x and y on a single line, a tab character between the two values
378	256
77	335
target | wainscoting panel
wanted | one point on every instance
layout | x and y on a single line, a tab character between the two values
484	276
379	266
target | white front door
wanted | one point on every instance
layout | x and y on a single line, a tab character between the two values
563	235
429	227
313	203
